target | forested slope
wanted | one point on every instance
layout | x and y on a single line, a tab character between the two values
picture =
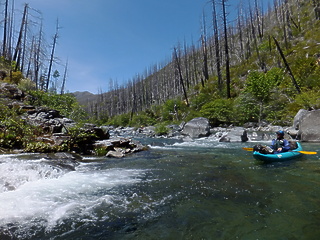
263	65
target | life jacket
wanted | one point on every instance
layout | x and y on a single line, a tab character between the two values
280	143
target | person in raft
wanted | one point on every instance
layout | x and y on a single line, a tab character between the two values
280	144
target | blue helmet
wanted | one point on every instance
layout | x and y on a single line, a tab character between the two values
280	132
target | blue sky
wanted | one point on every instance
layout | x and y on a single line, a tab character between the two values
117	39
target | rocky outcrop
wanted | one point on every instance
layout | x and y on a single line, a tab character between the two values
119	147
11	91
60	133
197	127
309	127
49	120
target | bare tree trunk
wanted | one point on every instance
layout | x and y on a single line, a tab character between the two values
64	78
261	63
5	30
259	20
216	44
18	49
24	45
239	23
11	33
204	50
180	75
186	63
37	63
226	49
287	66
52	56
30	59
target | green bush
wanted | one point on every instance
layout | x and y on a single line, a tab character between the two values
27	85
38	147
14	132
218	111
142	119
100	151
14	77
161	129
65	103
246	109
119	120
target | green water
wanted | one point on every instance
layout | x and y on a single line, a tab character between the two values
197	190
222	193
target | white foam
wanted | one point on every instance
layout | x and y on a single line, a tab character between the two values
51	199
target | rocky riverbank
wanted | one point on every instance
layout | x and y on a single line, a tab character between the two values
305	128
61	133
56	133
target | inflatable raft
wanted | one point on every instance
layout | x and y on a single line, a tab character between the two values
284	156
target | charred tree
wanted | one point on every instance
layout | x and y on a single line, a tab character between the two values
64	78
216	44
18	50
287	66
55	38
226	49
204	48
5	30
180	76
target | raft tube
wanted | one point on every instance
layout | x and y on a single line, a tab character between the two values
284	156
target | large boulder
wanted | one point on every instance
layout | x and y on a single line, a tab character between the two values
197	127
309	127
237	134
297	119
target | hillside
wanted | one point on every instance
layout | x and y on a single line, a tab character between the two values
264	66
84	97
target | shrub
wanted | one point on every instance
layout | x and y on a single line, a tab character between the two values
38	147
161	129
142	119
218	111
14	77
26	85
65	103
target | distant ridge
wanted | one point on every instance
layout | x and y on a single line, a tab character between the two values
85	97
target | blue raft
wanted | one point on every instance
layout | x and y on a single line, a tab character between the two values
284	156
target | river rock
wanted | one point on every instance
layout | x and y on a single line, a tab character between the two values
119	147
297	119
236	134
197	127
117	153
309	127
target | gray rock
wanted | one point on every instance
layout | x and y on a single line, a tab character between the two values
237	134
115	154
297	119
309	127
197	127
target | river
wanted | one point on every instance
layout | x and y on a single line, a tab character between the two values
201	189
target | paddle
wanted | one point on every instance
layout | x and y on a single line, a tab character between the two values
304	152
